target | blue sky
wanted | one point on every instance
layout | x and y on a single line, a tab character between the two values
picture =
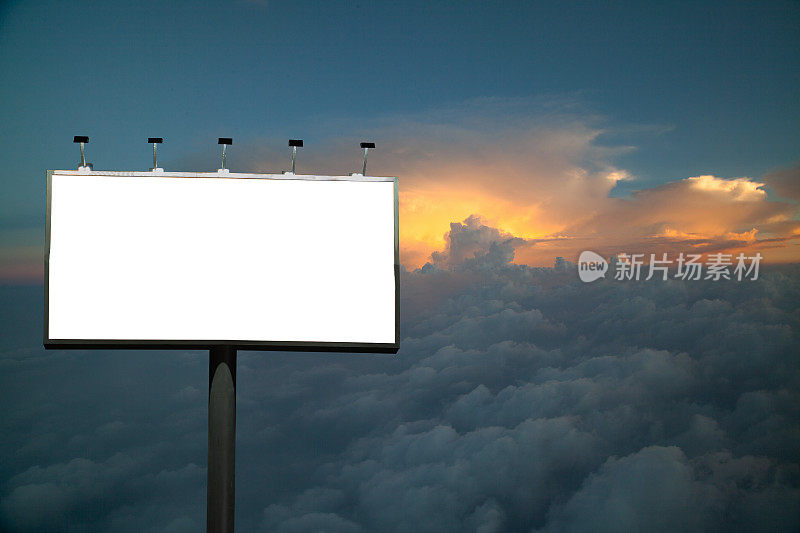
697	87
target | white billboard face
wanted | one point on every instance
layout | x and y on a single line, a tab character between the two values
260	261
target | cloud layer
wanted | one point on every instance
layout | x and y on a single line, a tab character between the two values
546	170
521	400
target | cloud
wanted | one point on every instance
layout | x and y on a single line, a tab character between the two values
521	400
659	489
602	405
651	490
474	243
545	170
786	182
701	213
527	400
50	498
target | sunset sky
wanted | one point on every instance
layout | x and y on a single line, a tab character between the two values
630	128
521	398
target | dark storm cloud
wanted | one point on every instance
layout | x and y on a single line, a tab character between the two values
521	400
528	400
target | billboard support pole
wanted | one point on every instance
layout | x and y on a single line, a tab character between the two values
221	439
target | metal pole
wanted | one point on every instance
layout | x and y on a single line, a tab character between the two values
155	141
224	141
293	144
366	146
221	439
82	140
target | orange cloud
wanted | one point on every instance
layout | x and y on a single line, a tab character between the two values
697	214
541	174
549	181
569	211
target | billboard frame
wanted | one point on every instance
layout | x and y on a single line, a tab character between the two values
133	344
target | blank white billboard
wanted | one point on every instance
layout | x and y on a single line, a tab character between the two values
252	260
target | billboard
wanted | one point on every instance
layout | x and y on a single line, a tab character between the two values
254	261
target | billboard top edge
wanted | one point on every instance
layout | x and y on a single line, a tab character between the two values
232	175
